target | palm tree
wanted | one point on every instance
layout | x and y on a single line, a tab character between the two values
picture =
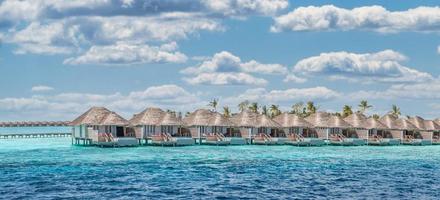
264	111
213	104
254	107
310	108
298	108
395	111
243	105
346	111
226	111
363	106
376	116
274	110
337	114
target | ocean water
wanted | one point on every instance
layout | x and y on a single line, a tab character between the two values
51	168
30	130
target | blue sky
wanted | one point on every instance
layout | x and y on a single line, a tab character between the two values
57	58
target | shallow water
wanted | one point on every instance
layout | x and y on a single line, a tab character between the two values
51	168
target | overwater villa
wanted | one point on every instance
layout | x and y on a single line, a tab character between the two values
369	129
209	127
378	134
256	128
319	121
297	130
435	126
410	133
393	130
342	133
423	135
102	127
157	127
334	129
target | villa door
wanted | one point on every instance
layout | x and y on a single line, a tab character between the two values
120	131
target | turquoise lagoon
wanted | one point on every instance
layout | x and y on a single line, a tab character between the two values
51	168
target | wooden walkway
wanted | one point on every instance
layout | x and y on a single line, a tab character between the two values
34	135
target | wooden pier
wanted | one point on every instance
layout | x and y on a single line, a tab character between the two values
34	135
34	123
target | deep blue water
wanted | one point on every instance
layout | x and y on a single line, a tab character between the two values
52	169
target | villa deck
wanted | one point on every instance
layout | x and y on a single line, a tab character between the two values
383	142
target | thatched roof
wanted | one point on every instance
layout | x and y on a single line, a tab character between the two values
336	121
357	120
319	119
155	117
252	119
199	117
437	120
389	121
373	123
287	120
405	124
204	117
418	122
99	116
431	125
218	119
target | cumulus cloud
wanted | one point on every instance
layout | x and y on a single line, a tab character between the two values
384	66
227	62
422	91
225	68
371	18
122	53
245	7
29	10
264	96
227	78
69	105
438	49
41	88
66	36
71	27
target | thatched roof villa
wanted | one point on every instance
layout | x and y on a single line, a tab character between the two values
334	129
297	130
102	127
433	126
422	134
255	127
161	127
209	127
369	129
393	128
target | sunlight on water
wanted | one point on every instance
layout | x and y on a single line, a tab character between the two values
53	168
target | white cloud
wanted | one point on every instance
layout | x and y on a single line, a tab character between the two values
372	18
227	62
384	66
69	105
54	38
245	7
293	78
122	53
225	68
72	27
30	10
263	96
438	49
429	90
41	88
225	78
71	35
